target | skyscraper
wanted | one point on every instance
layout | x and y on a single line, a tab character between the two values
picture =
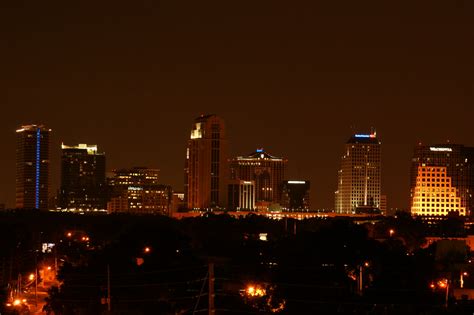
267	171
458	161
206	164
359	179
83	184
295	195
32	167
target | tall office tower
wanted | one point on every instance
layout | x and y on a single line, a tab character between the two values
206	164
267	171
359	179
32	167
83	183
459	163
138	191
241	195
434	194
295	195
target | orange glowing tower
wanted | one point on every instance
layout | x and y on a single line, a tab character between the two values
206	164
434	194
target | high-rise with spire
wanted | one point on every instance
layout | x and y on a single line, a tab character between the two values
206	164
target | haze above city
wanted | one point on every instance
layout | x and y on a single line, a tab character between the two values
295	79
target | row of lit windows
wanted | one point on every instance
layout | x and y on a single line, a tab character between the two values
435	185
437	211
435	190
422	174
437	200
433	169
434	180
437	205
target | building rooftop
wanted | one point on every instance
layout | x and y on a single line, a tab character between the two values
32	127
370	138
260	154
91	149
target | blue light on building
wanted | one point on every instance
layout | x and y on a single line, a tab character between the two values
38	164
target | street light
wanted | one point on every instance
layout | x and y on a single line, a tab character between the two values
391	232
31	277
147	250
444	284
361	276
461	280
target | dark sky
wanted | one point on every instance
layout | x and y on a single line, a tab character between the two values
295	77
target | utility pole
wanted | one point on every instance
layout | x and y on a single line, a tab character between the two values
36	281
109	307
36	287
447	294
212	309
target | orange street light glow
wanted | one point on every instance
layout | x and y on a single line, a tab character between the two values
147	250
31	277
255	291
443	284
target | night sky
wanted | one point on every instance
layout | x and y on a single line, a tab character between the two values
294	77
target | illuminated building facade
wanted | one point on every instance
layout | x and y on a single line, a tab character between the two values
295	195
359	179
138	191
206	171
136	176
267	171
241	195
434	194
83	182
459	163
32	167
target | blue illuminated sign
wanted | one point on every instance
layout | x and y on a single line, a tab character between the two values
362	136
259	150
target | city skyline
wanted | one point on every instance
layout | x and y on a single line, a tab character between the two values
109	169
295	79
